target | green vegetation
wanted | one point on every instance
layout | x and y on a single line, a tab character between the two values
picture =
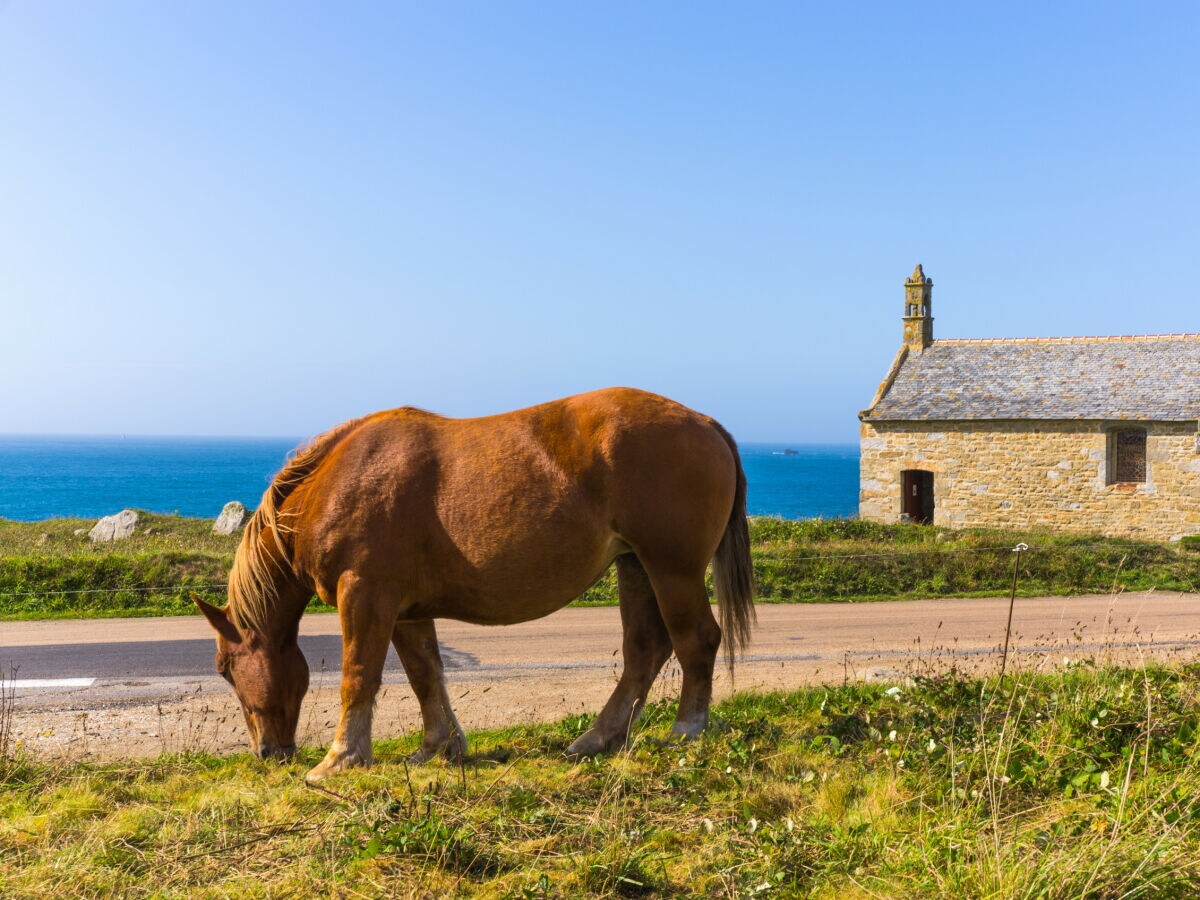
859	560
1084	783
45	565
854	560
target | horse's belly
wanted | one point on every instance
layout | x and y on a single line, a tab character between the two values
528	583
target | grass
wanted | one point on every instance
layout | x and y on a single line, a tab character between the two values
44	566
851	559
856	560
1083	783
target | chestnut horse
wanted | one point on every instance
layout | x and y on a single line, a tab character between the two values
404	516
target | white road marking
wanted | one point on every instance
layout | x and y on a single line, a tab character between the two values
48	682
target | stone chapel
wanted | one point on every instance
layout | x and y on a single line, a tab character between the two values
1086	434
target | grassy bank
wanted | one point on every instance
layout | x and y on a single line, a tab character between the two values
47	569
45	566
1083	783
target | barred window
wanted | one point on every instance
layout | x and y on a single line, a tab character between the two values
1127	456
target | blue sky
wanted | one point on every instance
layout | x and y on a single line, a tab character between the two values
228	218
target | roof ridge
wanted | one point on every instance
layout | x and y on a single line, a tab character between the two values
1191	336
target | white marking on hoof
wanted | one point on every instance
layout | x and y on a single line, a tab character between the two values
339	759
689	728
592	744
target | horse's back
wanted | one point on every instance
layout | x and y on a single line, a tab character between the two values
535	502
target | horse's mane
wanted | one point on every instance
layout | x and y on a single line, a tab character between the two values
252	580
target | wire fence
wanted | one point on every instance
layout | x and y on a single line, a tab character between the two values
759	558
117	590
947	551
893	553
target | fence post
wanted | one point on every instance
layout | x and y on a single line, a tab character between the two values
1012	601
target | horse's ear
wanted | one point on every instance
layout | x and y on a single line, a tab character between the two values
218	620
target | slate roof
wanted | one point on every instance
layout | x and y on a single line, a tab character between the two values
1145	378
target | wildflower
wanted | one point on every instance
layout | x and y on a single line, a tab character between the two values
932	745
707	825
892	735
1103	781
893	691
753	826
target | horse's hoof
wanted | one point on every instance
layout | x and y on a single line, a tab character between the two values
333	765
589	744
420	756
687	731
318	773
453	749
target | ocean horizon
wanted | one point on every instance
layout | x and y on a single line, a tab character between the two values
43	477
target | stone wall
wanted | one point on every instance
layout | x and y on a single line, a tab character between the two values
1025	474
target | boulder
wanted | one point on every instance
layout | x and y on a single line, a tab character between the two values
114	528
233	516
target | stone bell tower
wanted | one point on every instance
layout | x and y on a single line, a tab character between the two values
918	310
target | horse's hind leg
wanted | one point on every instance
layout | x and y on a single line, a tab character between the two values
695	634
367	619
646	647
417	645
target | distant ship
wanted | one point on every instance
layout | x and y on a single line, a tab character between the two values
788	452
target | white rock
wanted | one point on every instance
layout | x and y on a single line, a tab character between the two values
233	516
114	528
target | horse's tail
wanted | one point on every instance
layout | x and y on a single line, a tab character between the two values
265	552
733	571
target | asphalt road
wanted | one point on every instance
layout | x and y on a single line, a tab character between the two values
145	685
160	658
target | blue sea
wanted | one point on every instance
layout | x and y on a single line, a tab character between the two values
44	477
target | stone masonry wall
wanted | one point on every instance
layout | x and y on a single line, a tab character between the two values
1026	474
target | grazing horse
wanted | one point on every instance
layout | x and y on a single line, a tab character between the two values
402	517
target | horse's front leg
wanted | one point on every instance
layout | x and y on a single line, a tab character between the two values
367	620
417	645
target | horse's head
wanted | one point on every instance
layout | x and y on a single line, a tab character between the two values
269	677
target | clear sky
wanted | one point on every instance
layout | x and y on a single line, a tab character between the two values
251	218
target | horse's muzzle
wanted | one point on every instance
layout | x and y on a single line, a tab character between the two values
274	751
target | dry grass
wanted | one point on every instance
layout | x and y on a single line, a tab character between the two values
1084	783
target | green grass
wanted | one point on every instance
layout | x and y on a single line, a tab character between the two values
44	565
855	560
1084	783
